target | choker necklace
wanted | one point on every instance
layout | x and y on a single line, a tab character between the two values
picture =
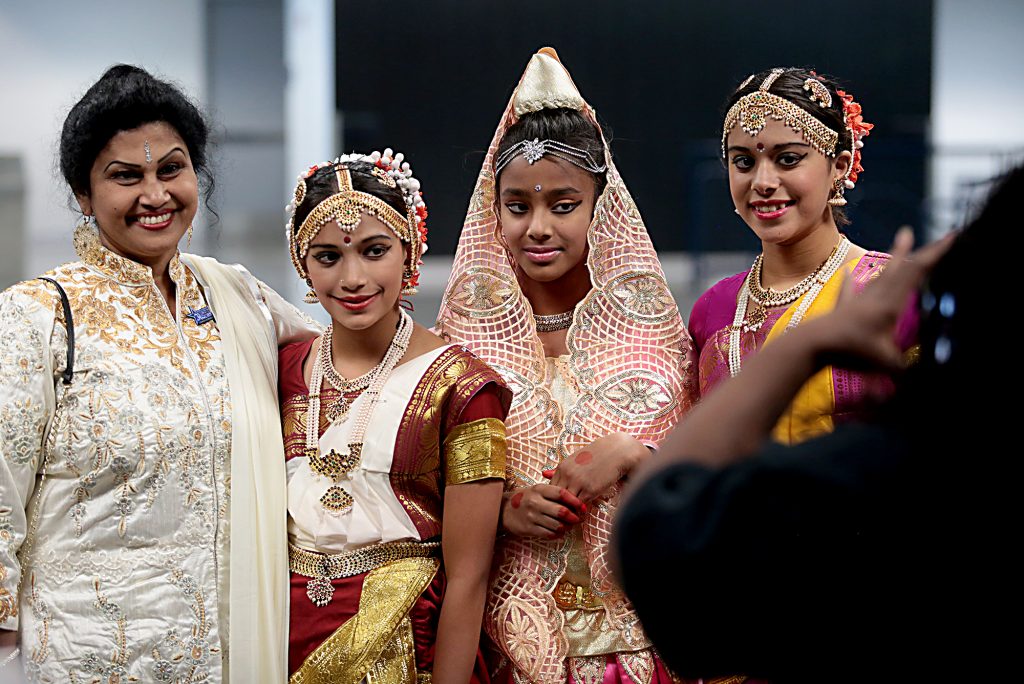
809	288
334	465
553	322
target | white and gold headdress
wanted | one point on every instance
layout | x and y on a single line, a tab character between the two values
347	206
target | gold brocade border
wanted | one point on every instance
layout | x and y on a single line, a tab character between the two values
378	638
396	664
475	451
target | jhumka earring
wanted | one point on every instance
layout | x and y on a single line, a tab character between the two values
408	286
838	189
310	297
188	240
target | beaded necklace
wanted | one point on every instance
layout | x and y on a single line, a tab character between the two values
809	288
335	465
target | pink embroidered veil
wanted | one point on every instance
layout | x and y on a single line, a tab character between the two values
630	356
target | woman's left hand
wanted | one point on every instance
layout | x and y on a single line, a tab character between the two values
592	470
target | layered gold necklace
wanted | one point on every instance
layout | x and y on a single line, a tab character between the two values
765	298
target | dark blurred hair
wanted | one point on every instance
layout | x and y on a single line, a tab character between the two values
790	85
965	325
125	98
564	125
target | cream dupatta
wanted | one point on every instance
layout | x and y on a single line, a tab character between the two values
258	603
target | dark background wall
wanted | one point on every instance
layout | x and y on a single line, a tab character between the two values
432	78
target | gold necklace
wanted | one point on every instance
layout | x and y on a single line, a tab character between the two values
742	322
765	298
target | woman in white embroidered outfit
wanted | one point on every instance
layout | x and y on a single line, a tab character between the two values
557	285
373	511
142	503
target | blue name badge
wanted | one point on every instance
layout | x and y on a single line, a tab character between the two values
200	316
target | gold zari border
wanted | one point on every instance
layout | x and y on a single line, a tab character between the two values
475	451
377	641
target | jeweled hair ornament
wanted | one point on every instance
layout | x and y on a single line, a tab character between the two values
347	205
534	150
753	110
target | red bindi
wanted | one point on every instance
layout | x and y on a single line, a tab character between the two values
517	499
584	457
760	147
348	240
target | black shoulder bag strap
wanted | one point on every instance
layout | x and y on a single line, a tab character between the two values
70	325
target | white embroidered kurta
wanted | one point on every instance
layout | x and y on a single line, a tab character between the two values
114	491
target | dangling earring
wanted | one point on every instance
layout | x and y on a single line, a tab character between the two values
408	286
188	240
310	297
838	189
88	221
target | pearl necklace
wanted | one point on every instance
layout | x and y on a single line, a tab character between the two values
553	322
810	287
335	465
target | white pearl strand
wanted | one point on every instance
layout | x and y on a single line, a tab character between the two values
380	374
825	273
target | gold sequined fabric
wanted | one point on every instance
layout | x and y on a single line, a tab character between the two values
630	358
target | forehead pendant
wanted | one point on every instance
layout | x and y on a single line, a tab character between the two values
149	154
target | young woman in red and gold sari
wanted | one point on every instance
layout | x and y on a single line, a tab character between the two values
557	285
792	143
375	512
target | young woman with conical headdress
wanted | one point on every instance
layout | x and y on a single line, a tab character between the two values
557	285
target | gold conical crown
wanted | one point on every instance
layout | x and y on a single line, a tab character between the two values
546	85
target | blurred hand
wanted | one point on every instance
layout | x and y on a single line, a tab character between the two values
860	333
594	469
541	510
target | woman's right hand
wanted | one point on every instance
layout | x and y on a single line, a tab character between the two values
541	510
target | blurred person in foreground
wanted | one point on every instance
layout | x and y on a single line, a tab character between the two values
881	550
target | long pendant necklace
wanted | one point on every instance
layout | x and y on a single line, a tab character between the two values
334	465
809	288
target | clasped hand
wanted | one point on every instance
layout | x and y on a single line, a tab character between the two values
549	510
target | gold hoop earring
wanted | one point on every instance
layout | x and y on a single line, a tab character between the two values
838	189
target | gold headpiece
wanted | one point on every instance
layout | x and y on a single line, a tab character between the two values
546	85
752	111
346	207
